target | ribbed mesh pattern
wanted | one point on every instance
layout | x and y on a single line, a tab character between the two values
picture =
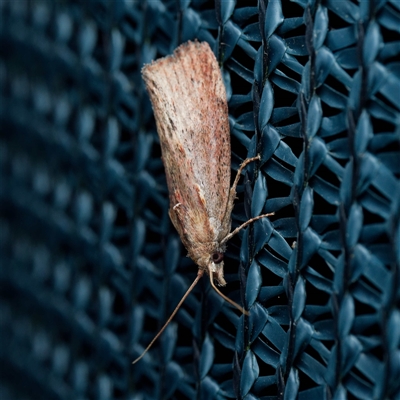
91	265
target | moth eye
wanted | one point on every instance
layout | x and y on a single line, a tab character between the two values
217	257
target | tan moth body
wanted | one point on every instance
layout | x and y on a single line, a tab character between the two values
191	112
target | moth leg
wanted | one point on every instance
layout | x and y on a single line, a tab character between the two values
232	194
176	206
239	228
232	191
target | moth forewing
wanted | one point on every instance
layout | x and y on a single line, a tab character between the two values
191	112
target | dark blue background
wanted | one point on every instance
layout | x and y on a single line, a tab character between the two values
90	264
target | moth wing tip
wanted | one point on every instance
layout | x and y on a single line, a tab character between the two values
192	45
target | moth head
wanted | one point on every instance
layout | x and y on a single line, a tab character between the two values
217	257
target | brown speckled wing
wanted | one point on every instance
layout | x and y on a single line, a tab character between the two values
189	102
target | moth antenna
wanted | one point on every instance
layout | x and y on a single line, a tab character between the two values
199	275
239	228
240	308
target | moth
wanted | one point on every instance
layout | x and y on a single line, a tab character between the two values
191	112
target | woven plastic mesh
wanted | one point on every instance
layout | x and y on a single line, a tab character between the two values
91	266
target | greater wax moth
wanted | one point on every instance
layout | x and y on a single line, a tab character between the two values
191	112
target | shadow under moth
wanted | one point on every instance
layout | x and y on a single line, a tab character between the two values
191	112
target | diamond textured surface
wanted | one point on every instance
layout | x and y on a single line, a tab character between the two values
91	266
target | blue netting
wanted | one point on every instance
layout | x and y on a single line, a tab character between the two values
91	266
